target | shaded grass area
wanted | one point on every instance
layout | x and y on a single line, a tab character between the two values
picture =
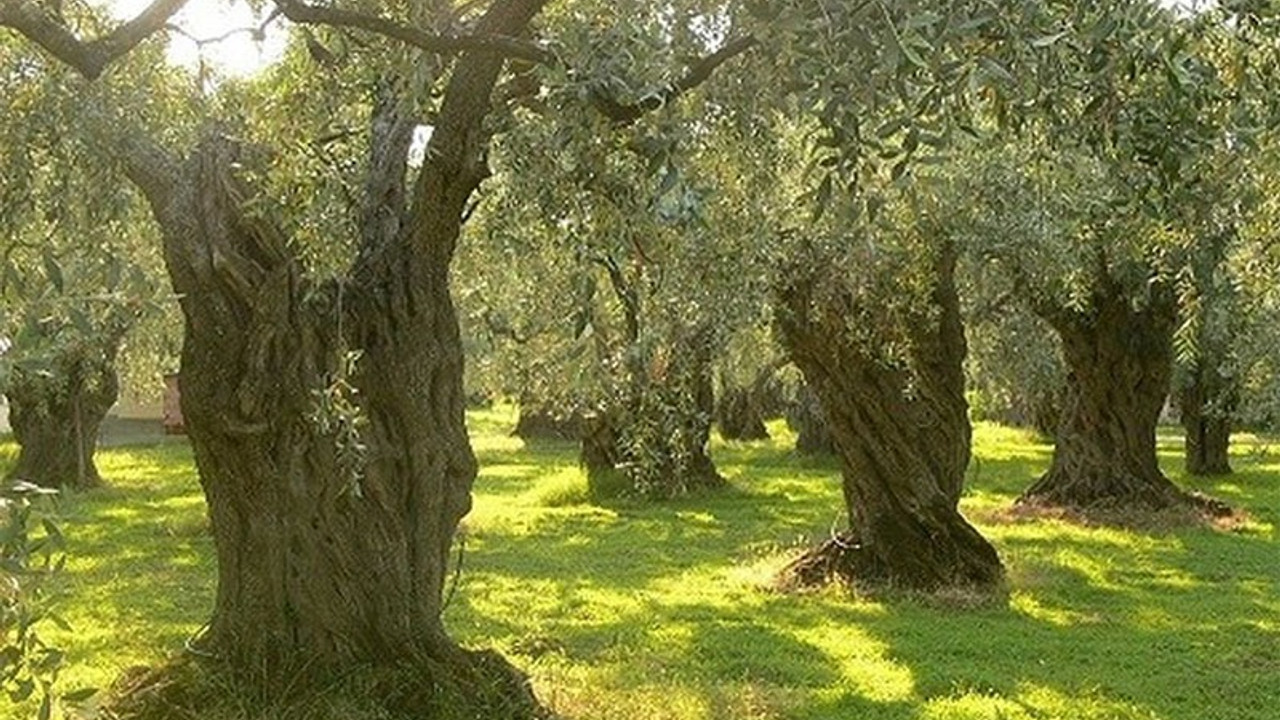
625	610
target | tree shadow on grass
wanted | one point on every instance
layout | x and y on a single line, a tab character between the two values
1100	623
1158	630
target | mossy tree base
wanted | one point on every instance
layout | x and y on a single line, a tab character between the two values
463	686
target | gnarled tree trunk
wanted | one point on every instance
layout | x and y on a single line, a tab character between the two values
902	435
1119	361
334	490
742	410
739	415
806	416
56	418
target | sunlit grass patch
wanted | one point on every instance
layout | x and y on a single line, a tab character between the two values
637	611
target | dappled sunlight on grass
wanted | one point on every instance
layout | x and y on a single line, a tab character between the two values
139	576
633	611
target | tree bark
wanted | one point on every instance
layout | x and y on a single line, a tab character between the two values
902	434
1046	411
1119	361
739	416
56	419
1206	402
334	488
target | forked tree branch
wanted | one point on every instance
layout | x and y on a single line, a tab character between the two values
88	57
306	14
621	113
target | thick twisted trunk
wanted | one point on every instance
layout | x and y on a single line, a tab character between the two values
902	435
1119	361
327	421
56	418
332	519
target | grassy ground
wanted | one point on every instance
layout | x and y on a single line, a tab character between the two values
661	611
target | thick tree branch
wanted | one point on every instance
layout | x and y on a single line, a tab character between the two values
625	294
698	73
90	57
303	13
512	47
152	168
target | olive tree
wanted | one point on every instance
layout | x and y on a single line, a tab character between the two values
1097	218
325	409
75	254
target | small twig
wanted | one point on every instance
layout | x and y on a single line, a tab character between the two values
457	572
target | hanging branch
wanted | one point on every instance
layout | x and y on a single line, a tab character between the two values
88	57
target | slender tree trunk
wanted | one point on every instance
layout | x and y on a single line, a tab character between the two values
56	419
1119	361
902	436
1206	423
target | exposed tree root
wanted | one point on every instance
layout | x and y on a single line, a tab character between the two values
1139	512
841	559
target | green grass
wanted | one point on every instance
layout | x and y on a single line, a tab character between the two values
641	612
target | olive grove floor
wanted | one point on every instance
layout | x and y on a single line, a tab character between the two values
646	612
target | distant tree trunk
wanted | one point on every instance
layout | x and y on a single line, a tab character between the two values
902	436
539	423
1119	361
739	415
806	416
333	512
55	419
1206	402
657	436
1046	411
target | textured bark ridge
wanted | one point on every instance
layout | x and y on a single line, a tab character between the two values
326	556
56	418
1119	360
334	488
1206	403
902	435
